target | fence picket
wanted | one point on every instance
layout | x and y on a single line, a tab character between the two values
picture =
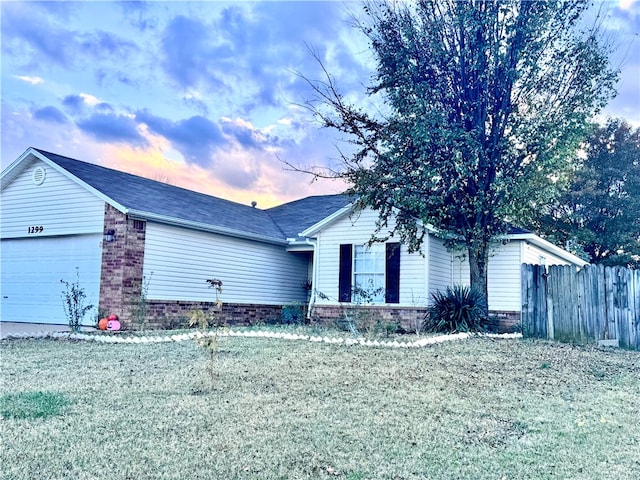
541	302
592	304
599	310
636	302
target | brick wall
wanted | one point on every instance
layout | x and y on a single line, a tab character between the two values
408	317
122	263
175	314
505	322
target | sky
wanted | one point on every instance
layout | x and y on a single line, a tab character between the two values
204	95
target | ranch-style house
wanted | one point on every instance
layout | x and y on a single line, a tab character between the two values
126	235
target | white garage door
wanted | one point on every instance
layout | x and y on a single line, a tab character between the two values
31	270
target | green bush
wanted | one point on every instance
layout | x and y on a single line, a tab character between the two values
458	309
293	313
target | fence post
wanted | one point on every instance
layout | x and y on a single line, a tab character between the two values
525	299
549	320
601	307
534	305
609	292
636	311
542	279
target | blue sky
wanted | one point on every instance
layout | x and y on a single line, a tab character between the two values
203	95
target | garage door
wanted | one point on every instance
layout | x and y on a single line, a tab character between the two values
31	270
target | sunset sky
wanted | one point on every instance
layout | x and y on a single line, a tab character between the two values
203	95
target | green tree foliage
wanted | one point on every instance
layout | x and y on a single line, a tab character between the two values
479	104
598	216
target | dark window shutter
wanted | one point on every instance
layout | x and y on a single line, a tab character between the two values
344	279
392	281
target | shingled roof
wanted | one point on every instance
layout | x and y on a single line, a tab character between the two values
295	217
151	199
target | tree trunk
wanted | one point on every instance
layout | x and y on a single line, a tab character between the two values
478	269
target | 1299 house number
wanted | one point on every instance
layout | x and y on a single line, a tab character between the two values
37	229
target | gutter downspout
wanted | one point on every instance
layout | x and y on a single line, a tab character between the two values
314	273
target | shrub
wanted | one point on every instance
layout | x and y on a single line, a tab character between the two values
140	306
73	301
458	309
293	313
202	320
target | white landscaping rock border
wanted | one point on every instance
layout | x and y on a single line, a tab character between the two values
423	342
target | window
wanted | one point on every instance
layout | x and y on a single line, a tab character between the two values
369	274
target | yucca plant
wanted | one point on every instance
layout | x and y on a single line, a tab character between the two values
458	309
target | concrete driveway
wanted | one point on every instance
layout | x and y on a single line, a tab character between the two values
7	328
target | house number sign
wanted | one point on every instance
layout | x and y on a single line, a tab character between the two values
38	229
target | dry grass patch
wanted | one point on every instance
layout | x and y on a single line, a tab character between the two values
474	409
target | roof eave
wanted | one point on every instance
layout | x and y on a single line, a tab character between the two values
299	244
315	228
142	215
550	247
13	171
337	215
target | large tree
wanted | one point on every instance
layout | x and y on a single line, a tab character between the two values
599	213
479	103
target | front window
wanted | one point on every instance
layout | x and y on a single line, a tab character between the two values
368	273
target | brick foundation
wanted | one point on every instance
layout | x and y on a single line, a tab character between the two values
410	318
122	264
505	322
175	314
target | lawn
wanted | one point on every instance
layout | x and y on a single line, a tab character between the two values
474	409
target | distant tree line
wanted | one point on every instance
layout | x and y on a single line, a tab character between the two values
597	214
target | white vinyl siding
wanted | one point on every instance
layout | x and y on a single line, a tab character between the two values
59	205
445	268
178	262
440	266
503	275
460	266
356	230
533	254
504	271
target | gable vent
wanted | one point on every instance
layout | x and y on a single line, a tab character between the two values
39	175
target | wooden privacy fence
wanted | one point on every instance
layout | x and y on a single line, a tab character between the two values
581	306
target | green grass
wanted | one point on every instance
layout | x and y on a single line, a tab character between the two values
31	404
477	409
